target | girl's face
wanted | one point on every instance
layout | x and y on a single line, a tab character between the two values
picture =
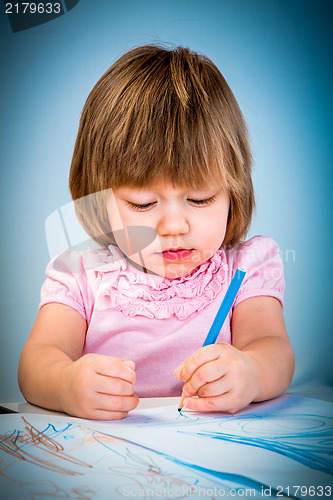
190	225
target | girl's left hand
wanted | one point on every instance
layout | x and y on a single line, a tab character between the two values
222	376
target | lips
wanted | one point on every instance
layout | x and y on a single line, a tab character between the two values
176	253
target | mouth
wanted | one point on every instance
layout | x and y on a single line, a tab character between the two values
176	253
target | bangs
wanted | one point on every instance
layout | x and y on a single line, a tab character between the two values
160	156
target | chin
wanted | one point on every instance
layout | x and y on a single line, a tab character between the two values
169	270
177	271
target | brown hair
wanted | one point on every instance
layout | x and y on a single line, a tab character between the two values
160	114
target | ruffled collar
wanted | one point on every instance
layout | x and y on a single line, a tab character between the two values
135	293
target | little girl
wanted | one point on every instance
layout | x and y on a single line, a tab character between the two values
161	178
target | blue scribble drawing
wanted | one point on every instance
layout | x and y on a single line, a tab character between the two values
106	463
148	462
306	439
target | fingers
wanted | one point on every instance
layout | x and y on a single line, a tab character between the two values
110	366
216	388
225	403
206	373
108	415
100	387
116	403
106	407
206	365
201	356
113	407
221	376
115	377
113	386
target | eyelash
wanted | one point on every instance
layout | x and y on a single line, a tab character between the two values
207	201
137	206
146	206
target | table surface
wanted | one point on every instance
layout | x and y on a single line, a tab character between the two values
24	407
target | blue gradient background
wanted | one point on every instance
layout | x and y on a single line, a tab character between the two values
277	58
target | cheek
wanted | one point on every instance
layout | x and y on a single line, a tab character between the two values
132	237
115	218
213	226
212	233
120	217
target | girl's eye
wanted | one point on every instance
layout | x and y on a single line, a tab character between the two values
140	207
202	202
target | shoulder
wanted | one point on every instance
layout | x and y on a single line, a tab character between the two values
256	251
78	263
260	258
77	271
74	276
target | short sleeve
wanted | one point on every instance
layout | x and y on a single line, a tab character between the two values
65	277
260	258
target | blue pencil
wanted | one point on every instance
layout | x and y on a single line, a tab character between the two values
222	312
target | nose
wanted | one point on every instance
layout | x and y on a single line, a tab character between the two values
172	222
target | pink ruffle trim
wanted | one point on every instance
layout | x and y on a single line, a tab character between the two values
135	293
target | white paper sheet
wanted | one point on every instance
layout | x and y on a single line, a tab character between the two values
279	447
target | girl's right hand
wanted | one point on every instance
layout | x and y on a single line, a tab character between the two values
98	387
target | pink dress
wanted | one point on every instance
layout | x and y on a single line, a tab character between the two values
155	321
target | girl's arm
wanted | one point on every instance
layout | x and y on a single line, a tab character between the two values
52	373
258	330
259	364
